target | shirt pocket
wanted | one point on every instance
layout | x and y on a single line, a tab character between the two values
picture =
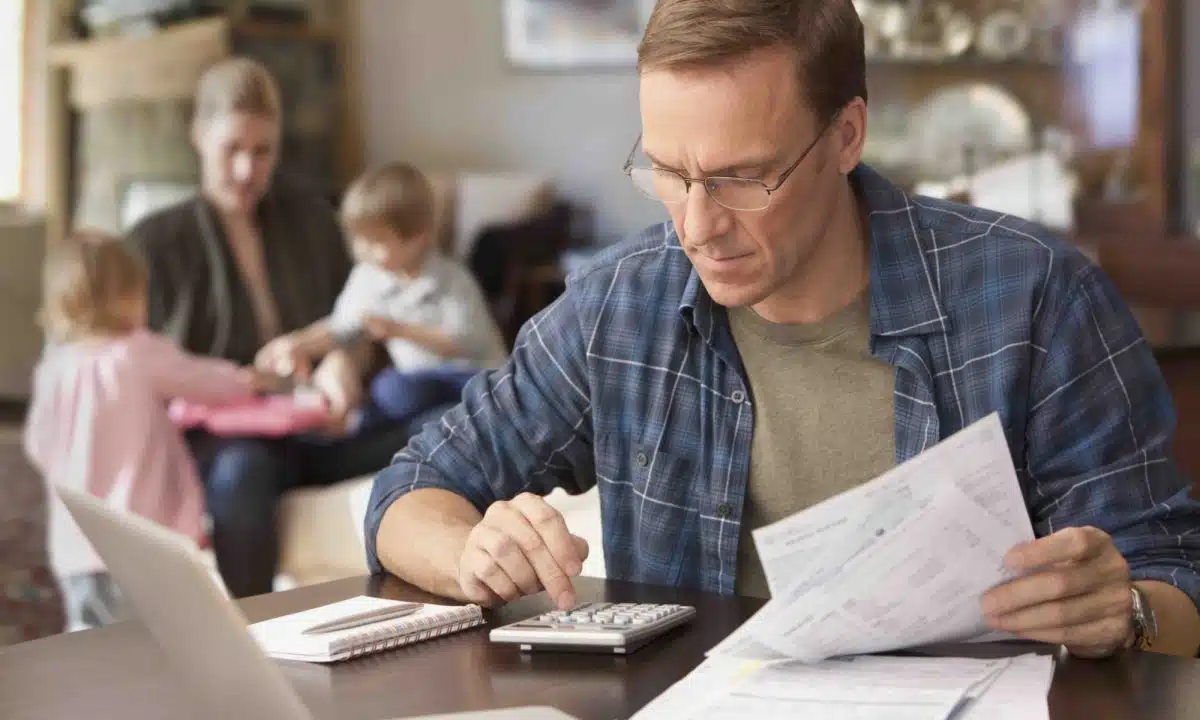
648	508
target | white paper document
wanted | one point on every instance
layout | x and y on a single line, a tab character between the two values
898	562
878	688
1017	693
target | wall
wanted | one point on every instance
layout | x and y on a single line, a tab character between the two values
439	93
22	247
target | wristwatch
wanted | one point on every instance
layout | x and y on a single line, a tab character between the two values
1145	624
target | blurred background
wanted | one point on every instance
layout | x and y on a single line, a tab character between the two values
1083	115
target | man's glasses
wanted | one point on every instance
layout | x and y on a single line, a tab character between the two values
734	193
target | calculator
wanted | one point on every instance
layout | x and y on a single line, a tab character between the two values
618	628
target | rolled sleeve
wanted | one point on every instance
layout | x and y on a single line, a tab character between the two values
525	427
1101	426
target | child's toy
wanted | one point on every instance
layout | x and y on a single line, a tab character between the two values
263	416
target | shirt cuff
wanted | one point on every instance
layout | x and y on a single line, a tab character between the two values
393	483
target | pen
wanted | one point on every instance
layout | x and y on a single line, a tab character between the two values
364	618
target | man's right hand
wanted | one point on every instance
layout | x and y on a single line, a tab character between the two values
520	547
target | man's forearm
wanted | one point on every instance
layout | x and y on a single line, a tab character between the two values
422	536
1178	619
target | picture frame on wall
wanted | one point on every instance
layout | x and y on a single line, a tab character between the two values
574	34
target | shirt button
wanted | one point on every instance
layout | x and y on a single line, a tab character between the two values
724	510
641	459
738	397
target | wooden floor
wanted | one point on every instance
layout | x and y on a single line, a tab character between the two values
30	606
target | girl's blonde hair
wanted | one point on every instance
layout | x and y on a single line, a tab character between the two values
237	85
87	284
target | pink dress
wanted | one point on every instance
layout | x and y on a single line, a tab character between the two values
98	421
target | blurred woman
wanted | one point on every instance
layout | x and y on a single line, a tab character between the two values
245	261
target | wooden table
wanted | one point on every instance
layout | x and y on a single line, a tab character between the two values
117	671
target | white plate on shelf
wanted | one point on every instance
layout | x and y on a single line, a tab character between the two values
981	116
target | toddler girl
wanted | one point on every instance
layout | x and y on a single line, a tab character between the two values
98	417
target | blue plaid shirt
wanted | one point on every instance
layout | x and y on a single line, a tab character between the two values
631	379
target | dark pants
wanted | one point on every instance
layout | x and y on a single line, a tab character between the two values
245	477
400	397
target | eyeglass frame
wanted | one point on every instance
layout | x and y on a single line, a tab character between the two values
629	167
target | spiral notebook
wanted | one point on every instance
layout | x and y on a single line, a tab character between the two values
285	638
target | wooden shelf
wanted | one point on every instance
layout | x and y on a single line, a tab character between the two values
165	65
162	66
285	31
965	63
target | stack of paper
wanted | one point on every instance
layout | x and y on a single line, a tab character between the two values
898	562
878	688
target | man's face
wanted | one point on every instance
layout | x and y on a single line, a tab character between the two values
746	119
237	157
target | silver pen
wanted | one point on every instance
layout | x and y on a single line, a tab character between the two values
364	618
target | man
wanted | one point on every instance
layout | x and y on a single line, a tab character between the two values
800	326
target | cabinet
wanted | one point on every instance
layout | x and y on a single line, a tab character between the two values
1063	111
145	83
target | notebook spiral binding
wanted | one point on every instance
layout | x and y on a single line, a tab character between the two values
408	631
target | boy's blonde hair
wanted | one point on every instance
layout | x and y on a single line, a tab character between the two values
237	85
87	283
396	195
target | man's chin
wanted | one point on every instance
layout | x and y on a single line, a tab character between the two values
735	295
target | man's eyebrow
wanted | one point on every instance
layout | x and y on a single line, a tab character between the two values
761	162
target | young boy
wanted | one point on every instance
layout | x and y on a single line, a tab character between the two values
427	309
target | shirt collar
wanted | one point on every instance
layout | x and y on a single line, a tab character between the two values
904	291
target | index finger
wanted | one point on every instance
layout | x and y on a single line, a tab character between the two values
1070	545
550	525
550	576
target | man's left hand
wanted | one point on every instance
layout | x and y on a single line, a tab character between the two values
1077	593
337	378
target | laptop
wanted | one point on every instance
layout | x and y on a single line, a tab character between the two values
199	629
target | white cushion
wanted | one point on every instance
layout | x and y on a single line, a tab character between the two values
322	536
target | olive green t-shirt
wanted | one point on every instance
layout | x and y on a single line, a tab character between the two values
823	418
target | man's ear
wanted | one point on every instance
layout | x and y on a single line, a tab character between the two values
851	132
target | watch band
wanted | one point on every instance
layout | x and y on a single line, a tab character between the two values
1145	625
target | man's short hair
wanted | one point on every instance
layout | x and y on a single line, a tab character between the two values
397	195
825	36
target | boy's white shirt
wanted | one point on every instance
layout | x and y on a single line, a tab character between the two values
443	297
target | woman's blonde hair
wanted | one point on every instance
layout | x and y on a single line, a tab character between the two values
88	282
237	85
396	195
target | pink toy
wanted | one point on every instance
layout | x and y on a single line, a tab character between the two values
266	416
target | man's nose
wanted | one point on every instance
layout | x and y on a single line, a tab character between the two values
704	218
